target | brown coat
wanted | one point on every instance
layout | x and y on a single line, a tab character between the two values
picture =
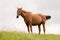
33	19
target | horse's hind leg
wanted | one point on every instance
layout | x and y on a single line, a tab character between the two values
39	28
44	27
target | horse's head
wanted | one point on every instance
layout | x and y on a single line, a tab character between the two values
19	10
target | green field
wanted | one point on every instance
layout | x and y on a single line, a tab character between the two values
27	36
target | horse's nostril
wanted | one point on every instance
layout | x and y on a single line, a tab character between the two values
17	17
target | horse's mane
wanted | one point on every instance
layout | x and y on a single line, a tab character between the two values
26	11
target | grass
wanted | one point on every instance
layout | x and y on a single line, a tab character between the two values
27	36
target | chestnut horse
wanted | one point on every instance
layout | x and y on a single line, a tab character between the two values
33	19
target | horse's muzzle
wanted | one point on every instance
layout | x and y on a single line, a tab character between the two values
17	17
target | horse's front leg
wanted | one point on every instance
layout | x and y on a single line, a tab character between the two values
39	28
30	27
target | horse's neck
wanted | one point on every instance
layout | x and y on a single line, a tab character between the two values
23	14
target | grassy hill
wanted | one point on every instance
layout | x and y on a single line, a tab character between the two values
27	36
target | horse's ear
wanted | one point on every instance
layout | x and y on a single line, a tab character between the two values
21	7
17	8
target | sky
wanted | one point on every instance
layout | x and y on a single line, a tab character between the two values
8	11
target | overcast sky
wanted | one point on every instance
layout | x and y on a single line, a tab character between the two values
9	22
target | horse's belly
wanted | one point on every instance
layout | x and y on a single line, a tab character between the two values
36	21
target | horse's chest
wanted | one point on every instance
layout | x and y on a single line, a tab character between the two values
28	19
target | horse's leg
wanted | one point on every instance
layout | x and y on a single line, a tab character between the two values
31	27
44	27
28	28
39	28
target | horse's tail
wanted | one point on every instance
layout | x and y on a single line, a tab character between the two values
48	17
